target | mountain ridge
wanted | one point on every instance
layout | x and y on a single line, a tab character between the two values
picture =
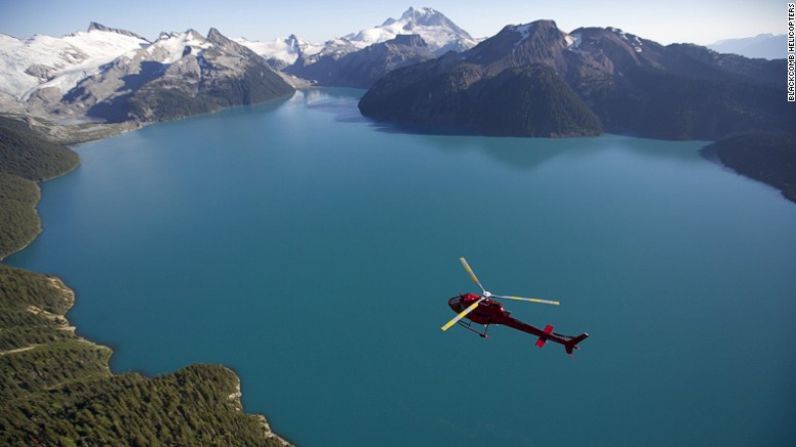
323	63
178	74
634	85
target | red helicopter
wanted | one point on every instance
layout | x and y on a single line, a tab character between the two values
485	310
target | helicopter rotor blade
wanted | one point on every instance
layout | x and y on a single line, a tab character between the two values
472	274
530	300
462	314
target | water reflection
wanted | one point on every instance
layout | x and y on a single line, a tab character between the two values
518	153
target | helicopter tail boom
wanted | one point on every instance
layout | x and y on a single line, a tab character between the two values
572	344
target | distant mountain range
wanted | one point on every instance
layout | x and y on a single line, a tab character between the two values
113	75
765	46
536	80
440	34
179	74
358	59
425	70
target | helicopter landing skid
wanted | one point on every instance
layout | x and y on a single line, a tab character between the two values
469	326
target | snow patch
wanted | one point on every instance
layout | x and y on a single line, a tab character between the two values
523	30
574	41
170	47
285	50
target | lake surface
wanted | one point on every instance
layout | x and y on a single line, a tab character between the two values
314	252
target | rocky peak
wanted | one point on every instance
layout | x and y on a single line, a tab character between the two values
428	17
215	36
293	42
519	45
94	26
412	40
195	35
422	14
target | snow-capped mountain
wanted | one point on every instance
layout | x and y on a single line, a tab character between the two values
438	31
440	34
179	74
59	62
280	53
362	67
111	75
344	61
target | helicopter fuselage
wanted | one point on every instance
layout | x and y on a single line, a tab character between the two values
490	311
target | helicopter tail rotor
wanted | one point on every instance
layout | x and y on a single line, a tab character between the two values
572	344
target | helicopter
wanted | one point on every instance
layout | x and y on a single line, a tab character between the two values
485	310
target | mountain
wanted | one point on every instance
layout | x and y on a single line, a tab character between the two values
59	63
94	26
632	85
281	53
439	32
357	59
179	74
29	154
765	46
363	67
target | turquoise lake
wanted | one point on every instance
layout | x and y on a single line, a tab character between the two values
314	252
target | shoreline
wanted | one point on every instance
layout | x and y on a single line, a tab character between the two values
57	132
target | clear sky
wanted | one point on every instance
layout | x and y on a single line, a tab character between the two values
698	21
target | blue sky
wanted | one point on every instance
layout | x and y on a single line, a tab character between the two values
699	21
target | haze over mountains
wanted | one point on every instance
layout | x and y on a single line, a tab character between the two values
765	46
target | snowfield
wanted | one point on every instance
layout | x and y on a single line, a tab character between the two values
61	62
437	30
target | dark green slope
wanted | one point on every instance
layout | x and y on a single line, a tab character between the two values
19	222
531	101
26	156
657	103
527	101
766	157
56	388
29	154
635	86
